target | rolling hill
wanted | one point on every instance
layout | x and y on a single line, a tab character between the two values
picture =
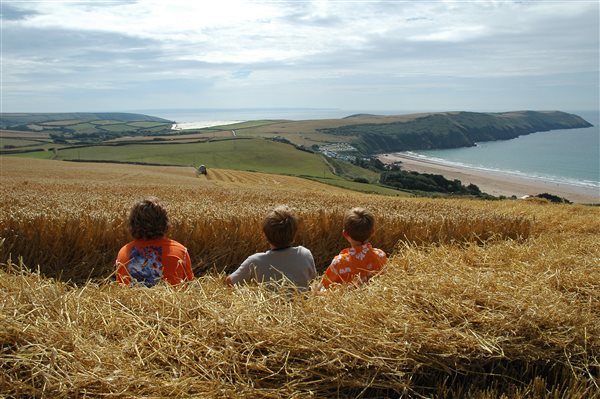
452	130
85	125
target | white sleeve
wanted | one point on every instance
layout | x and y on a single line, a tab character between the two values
243	273
311	260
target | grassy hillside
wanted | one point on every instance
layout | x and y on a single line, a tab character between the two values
242	154
238	154
452	130
479	299
308	132
14	119
79	126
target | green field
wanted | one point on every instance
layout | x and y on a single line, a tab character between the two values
147	124
84	128
350	171
33	154
246	154
244	125
18	142
64	123
114	127
257	155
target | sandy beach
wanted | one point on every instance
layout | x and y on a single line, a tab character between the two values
201	124
496	183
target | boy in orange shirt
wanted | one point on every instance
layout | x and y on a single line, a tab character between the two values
151	256
360	262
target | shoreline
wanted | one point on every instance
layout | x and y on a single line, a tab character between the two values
495	182
203	124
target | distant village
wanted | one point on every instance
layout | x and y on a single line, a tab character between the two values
342	151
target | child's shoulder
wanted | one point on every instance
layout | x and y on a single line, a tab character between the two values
125	249
168	242
344	254
259	255
302	250
380	253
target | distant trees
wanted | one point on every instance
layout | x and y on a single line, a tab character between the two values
554	198
428	182
373	164
58	138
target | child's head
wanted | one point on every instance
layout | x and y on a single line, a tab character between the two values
148	219
280	226
359	224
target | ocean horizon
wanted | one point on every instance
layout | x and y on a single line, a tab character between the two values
201	115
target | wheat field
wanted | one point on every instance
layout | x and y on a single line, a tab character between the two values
484	299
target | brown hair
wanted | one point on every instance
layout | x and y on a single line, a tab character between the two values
148	219
359	224
280	226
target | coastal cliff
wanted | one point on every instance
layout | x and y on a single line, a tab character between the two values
453	130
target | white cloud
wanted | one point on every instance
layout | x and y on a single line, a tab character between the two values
293	45
452	34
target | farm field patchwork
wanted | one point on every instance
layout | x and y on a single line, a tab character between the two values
17	142
258	155
240	154
78	123
479	299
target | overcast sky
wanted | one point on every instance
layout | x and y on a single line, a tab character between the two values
352	55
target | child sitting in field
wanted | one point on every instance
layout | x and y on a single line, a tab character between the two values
151	257
283	261
360	262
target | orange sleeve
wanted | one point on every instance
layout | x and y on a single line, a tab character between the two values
331	276
189	273
178	268
382	258
123	277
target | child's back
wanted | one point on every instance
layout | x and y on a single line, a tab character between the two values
358	263
149	261
282	263
361	261
151	256
293	264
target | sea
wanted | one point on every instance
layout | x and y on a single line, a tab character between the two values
569	156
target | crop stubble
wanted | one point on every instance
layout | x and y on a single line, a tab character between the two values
479	298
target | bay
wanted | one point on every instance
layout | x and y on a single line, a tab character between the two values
569	156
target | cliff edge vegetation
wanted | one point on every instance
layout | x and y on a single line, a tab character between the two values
452	130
